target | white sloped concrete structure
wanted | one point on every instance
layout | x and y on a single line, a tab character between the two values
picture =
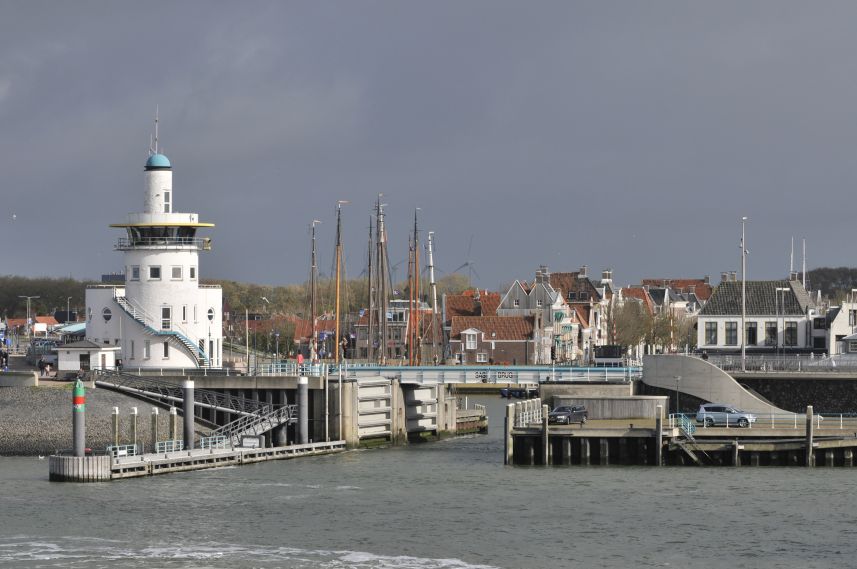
162	317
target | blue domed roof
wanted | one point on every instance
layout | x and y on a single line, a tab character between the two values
158	161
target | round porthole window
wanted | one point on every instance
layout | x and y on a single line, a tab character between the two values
107	314
210	314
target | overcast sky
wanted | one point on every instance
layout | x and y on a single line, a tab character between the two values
629	135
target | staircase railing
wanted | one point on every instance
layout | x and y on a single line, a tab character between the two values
139	314
256	424
171	392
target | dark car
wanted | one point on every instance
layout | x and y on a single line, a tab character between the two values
567	414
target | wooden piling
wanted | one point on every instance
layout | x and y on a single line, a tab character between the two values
810	459
604	451
736	454
584	451
659	436
510	441
545	436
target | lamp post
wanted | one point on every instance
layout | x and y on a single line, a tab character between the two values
68	310
677	378
743	297
781	307
277	339
29	298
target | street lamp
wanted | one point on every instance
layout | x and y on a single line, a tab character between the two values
782	305
677	378
68	310
743	297
277	336
29	298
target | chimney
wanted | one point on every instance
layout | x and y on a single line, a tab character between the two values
733	276
583	272
724	277
793	276
606	276
707	279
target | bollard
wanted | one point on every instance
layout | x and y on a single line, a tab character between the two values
545	437
303	410
174	423
510	423
116	426
188	414
154	428
809	436
134	427
78	418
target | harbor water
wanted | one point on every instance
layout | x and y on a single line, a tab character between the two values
448	504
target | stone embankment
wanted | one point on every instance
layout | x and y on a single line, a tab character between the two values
37	420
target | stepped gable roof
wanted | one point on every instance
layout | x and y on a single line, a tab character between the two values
641	294
514	328
465	304
697	286
762	299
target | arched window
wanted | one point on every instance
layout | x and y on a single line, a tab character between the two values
107	314
211	315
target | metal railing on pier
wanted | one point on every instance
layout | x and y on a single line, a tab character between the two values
528	412
169	446
785	363
770	421
122	450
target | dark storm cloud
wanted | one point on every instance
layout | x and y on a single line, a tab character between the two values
629	135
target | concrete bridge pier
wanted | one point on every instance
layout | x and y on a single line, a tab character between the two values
303	410
189	405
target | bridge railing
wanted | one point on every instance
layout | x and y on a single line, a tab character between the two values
782	362
823	422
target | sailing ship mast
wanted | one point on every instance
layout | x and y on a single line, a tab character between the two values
337	346
433	285
415	315
410	341
382	266
313	283
370	288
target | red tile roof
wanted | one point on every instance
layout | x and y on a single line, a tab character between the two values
49	320
582	314
571	282
640	294
517	328
465	304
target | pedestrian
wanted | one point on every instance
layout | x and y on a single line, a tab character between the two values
41	367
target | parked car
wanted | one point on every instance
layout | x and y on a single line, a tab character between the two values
711	414
567	414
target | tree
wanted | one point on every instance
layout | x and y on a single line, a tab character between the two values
632	323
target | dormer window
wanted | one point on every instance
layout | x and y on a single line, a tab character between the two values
470	341
572	296
517	303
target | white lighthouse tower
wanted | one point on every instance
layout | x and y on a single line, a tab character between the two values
162	317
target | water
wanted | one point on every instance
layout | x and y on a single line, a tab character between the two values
450	505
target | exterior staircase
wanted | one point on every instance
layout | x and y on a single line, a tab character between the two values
256	425
140	317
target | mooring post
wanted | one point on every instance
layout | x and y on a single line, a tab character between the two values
116	426
510	423
188	414
809	436
134	428
545	436
154	428
78	418
659	436
736	457
174	423
303	410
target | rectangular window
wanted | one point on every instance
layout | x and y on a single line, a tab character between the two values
132	349
790	338
770	333
711	333
852	317
470	341
154	273
752	332
194	315
731	333
147	349
166	201
517	303
135	272
177	273
572	296
481	358
852	347
819	323
166	318
193	273
539	303
166	350
184	313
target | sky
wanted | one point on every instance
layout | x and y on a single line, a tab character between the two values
624	135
